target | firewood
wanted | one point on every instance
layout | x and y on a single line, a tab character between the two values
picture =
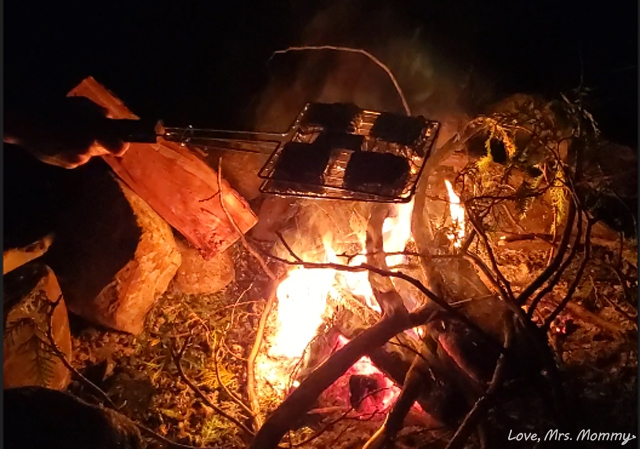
176	183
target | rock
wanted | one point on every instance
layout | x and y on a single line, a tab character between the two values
197	276
39	417
16	257
113	254
29	293
124	303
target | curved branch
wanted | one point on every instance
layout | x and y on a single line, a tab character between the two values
555	263
576	281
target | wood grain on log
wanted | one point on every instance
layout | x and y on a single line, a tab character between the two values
176	183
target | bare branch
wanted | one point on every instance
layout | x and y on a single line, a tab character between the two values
397	274
301	399
177	359
479	408
576	281
558	274
251	360
555	263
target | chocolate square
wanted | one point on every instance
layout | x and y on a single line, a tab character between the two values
382	173
301	163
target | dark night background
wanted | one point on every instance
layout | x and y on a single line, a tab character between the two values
206	63
203	63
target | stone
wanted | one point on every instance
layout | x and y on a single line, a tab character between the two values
113	253
41	417
29	293
197	276
126	300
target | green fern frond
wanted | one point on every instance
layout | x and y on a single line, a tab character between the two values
559	198
484	163
43	361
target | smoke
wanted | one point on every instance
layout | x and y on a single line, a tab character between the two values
434	85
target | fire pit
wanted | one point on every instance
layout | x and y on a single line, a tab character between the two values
436	302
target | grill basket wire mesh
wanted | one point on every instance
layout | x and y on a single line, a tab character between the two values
338	151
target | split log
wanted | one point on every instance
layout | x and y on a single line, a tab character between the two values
176	183
29	292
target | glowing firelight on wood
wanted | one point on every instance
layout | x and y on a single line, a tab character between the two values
457	216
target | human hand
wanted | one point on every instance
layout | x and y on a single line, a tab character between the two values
67	134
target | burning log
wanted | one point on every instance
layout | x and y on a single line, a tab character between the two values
320	379
177	184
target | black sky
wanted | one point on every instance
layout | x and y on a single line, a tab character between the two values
203	62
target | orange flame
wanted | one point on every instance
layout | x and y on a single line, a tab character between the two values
302	303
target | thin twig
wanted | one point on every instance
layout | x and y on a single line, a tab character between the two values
286	245
340	418
397	274
477	226
177	359
235	398
557	260
98	390
62	356
379	63
558	274
251	360
251	392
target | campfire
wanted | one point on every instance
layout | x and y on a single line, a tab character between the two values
307	298
433	296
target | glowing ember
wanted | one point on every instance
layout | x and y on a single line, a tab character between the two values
457	216
389	391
